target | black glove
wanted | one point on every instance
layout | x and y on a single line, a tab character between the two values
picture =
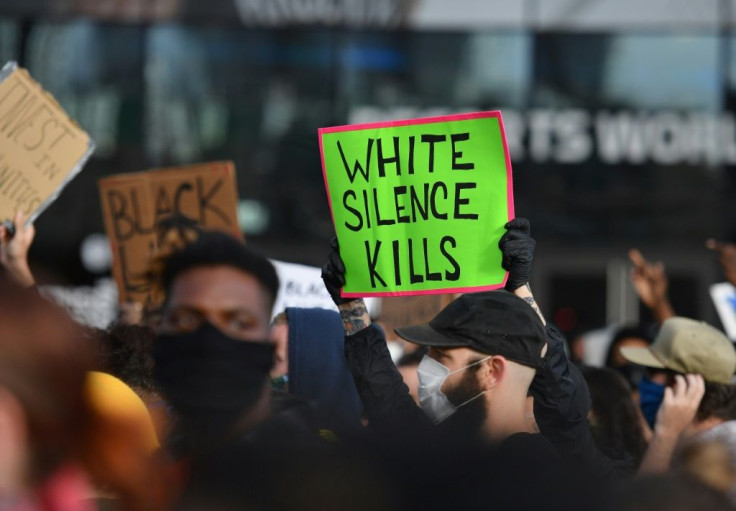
517	247
333	274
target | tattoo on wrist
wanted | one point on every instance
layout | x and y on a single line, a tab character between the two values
354	318
532	302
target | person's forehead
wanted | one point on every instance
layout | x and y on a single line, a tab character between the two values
221	288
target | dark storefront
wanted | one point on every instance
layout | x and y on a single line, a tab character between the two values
620	138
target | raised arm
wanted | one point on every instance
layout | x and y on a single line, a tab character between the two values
561	398
517	247
388	405
677	411
14	248
650	282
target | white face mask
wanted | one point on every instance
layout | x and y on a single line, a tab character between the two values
432	376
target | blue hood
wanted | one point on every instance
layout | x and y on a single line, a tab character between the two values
318	371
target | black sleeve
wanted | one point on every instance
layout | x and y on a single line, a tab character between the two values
561	406
389	407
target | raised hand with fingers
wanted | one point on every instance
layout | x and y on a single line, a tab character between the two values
680	405
353	311
517	247
650	282
333	274
14	248
676	413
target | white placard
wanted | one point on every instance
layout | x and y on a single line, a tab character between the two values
302	286
724	298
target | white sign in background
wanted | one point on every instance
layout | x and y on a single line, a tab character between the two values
724	298
300	286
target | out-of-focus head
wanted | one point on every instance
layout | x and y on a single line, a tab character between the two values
628	337
213	354
613	416
43	362
670	492
687	346
710	462
128	355
122	438
216	279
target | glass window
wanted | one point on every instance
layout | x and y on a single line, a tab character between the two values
9	40
625	136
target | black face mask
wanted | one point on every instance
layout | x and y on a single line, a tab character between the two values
206	373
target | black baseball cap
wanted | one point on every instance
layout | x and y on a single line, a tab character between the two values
494	322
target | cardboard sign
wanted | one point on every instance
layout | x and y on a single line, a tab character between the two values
419	206
133	205
724	298
400	311
302	286
41	148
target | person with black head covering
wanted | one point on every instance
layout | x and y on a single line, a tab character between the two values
486	353
310	364
614	418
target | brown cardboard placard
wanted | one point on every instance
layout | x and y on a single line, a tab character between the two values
41	148
400	311
133	204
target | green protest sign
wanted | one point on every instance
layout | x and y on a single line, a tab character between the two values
419	206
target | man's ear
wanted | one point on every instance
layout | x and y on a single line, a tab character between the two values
492	372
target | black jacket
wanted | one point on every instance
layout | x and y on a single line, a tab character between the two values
561	399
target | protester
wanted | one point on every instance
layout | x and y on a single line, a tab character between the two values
486	352
213	360
710	460
127	354
280	337
43	415
636	336
120	446
214	337
316	370
671	492
614	418
700	397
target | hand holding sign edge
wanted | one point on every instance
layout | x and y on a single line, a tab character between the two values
517	247
333	274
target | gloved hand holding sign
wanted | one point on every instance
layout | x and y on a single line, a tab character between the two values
517	247
333	274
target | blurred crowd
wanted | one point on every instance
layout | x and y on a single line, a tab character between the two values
206	403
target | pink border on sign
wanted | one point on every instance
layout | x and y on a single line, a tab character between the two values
496	114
